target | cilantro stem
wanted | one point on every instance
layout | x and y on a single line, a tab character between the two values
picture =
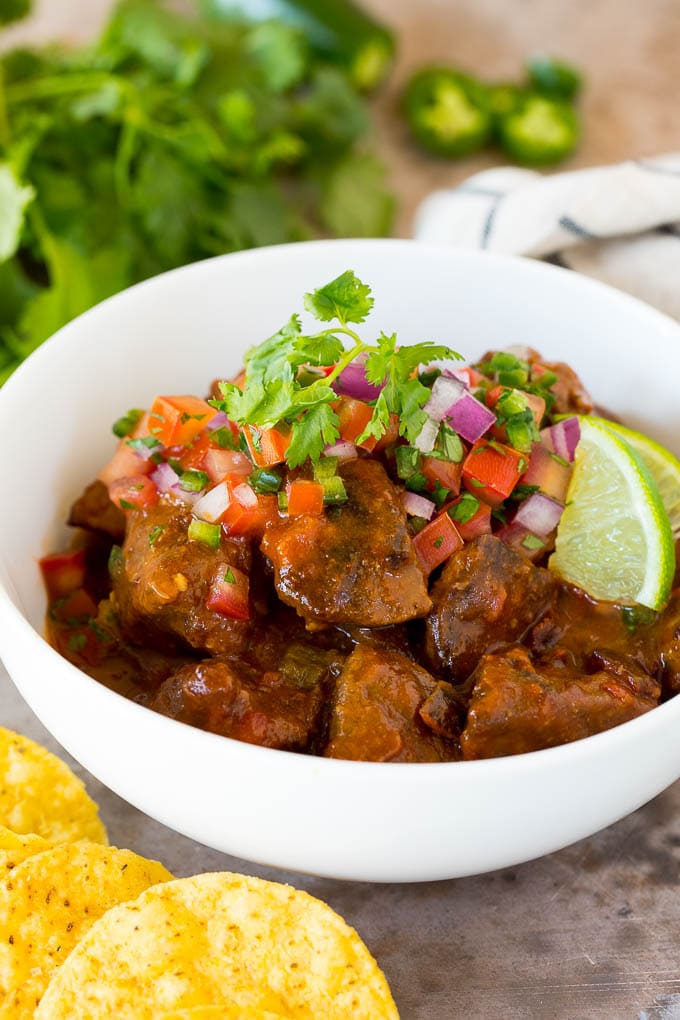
59	85
349	356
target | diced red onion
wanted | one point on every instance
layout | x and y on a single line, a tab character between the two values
460	374
523	541
470	418
212	506
190	498
520	351
417	505
539	514
245	495
219	421
342	450
352	381
164	478
428	436
445	393
562	438
452	401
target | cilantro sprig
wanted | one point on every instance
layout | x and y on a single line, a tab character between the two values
280	391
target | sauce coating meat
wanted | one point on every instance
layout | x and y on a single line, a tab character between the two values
354	566
519	706
162	583
487	595
384	600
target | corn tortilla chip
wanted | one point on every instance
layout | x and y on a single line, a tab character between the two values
15	848
48	902
221	1013
39	794
198	940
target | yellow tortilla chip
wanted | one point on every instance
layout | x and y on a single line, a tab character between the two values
48	902
198	940
221	1013
15	848
40	794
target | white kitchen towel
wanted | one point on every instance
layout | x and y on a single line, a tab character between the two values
620	224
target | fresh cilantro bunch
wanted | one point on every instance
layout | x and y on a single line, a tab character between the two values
281	385
169	140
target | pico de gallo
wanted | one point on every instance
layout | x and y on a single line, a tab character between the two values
342	551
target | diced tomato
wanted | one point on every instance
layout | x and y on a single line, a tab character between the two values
304	497
468	375
220	463
229	593
491	471
176	420
549	472
76	606
137	492
125	462
250	522
478	525
535	404
267	446
443	471
78	644
354	416
63	572
390	436
193	456
436	542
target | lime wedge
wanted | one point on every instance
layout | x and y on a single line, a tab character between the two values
614	539
663	465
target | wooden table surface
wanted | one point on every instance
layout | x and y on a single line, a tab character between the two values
592	932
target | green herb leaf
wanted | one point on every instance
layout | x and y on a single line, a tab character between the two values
126	424
317	428
156	533
346	298
229	576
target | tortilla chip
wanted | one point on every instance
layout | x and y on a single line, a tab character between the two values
39	794
221	1013
48	902
15	848
198	940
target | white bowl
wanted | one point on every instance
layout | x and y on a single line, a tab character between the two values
354	820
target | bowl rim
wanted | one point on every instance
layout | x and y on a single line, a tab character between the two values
11	617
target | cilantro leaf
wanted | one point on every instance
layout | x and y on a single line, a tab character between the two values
266	361
346	298
323	349
318	427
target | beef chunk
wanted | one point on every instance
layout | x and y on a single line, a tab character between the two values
95	512
487	595
571	396
669	647
375	711
517	707
162	587
235	700
355	565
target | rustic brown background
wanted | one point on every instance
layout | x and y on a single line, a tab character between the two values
591	933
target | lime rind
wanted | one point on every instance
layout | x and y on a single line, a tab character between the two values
614	539
664	467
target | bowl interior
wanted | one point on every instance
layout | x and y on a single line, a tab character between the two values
176	333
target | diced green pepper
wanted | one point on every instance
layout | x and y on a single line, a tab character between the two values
554	78
447	112
541	131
